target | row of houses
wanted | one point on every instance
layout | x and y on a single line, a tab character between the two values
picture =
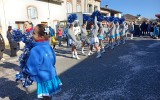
15	12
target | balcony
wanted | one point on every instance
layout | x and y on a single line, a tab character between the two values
53	1
98	0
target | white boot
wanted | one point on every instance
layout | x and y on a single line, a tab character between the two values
131	36
103	51
108	45
124	41
89	53
118	42
77	55
83	51
73	55
99	54
112	46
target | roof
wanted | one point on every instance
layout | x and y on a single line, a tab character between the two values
130	17
110	10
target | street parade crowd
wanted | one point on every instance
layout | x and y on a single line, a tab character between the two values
37	62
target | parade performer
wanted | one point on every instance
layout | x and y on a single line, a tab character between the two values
84	37
101	37
27	38
122	30
75	43
112	32
94	39
41	64
117	35
106	31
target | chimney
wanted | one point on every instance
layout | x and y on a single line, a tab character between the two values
106	6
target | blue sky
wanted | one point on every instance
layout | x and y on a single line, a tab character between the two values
147	8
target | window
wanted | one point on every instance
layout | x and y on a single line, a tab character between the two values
78	8
32	12
69	7
78	5
90	8
95	8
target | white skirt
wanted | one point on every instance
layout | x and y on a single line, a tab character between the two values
94	40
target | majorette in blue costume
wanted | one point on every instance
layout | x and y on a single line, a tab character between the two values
94	31
101	32
71	34
84	35
26	38
112	31
122	29
117	34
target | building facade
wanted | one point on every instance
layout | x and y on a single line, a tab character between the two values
83	6
15	12
110	12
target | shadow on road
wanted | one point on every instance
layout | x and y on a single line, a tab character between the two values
11	90
114	76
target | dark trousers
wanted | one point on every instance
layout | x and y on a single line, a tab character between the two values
59	40
13	52
1	55
67	40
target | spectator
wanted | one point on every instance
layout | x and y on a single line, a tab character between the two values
13	44
137	29
156	31
151	29
131	29
65	35
52	34
2	46
59	32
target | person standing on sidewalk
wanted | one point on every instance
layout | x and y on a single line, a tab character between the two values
131	29
60	33
13	44
52	36
65	35
2	45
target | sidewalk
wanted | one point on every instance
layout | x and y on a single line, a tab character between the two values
6	56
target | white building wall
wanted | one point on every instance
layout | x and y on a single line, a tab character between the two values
16	10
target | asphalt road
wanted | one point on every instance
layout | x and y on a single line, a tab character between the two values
129	72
